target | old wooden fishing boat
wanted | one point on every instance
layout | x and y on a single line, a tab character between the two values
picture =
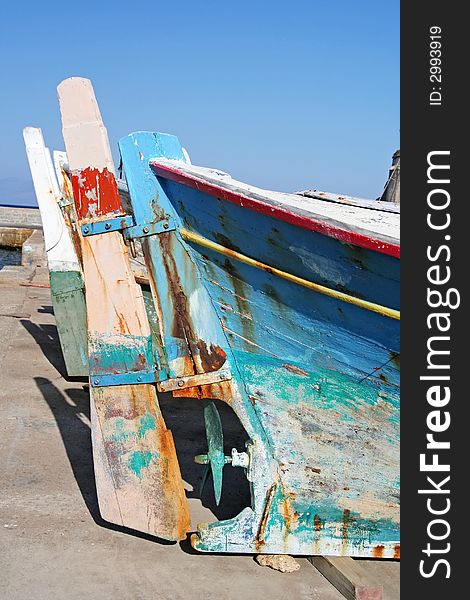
283	306
306	292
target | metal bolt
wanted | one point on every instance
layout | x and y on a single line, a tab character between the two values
96	381
165	225
222	376
139	378
85	230
145	229
107	226
180	383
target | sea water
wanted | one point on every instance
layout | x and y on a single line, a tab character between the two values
10	256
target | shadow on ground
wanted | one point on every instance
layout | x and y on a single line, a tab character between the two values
183	416
47	338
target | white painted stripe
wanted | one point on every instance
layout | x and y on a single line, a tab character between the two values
61	254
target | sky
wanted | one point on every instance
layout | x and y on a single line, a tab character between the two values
282	95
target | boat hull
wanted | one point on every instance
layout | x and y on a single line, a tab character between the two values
321	375
315	378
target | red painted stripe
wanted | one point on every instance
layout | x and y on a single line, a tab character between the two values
95	194
283	214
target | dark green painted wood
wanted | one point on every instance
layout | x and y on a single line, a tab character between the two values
68	301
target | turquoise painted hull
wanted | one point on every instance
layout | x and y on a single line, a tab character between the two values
315	380
322	377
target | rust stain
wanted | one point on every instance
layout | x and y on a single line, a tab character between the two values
213	391
395	359
223	240
172	508
378	551
346	520
126	413
315	470
317	522
274	295
157	210
396	551
264	519
141	361
211	357
291	517
181	322
243	305
123	327
294	369
66	184
164	491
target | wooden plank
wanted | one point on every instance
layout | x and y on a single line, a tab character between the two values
348	577
274	333
351	200
64	271
137	474
68	210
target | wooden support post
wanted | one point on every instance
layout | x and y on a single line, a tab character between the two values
68	298
348	577
137	474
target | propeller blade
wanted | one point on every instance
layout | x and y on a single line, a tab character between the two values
215	443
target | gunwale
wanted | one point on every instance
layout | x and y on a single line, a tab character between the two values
352	223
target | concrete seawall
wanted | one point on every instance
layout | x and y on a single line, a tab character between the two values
22	228
14	237
18	217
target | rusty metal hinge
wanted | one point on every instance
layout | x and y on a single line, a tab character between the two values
181	383
152	376
64	202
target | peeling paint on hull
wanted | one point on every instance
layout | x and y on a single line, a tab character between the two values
315	381
137	473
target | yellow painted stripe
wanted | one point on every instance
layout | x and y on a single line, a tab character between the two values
190	236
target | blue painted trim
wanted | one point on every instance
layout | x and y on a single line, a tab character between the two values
131	231
132	378
145	229
149	201
109	225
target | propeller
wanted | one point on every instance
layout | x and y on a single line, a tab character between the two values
215	459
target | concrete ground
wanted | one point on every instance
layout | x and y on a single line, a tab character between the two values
53	543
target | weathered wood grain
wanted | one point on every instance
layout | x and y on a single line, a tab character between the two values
137	473
354	224
321	375
65	276
348	577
